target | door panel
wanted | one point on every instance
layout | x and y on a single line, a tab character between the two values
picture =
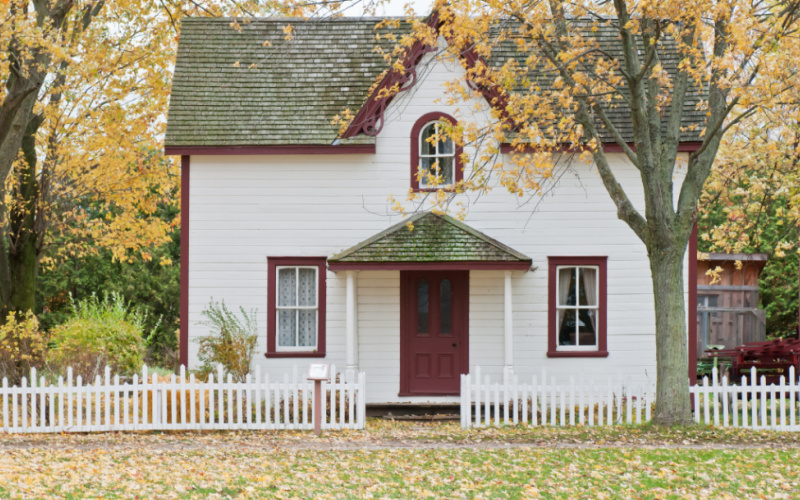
422	366
446	365
434	336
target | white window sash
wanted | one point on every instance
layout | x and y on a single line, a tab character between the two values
577	308
436	155
297	308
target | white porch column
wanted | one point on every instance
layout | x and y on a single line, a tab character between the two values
508	325
351	327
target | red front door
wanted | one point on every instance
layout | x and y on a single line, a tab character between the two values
434	323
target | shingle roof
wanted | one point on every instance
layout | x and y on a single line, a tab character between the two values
433	238
607	37
296	87
289	97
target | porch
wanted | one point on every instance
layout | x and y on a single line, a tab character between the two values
429	261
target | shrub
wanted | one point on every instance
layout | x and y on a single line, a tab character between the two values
22	346
99	333
232	342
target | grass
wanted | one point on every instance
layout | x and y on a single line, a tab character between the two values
396	460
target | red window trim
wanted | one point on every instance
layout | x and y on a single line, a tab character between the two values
415	130
552	334
272	264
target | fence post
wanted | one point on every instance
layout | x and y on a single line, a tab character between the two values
362	399
464	398
714	393
763	384
782	396
725	396
5	405
135	394
477	396
107	392
69	397
792	396
145	413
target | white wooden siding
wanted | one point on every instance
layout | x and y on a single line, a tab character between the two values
245	208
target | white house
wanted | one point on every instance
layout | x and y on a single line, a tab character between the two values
282	213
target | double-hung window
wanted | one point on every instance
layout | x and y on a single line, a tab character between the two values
296	312
435	156
297	308
577	307
577	322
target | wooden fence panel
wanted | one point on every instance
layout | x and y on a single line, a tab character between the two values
751	404
178	403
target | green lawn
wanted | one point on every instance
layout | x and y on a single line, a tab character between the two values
403	461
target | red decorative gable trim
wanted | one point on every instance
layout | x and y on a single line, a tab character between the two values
492	93
369	119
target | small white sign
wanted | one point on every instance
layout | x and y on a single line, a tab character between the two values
318	371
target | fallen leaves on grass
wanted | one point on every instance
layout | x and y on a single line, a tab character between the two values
393	460
405	473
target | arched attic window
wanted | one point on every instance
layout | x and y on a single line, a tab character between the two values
441	158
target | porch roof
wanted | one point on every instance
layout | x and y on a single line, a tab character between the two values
430	241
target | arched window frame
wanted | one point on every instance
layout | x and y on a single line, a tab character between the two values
416	130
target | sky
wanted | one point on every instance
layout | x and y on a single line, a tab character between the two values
397	8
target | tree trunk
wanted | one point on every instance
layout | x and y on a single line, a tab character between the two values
24	269
672	387
23	258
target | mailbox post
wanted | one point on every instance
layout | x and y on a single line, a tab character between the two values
318	372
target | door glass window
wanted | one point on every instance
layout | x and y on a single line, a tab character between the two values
422	306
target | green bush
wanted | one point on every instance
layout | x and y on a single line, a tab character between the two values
232	342
99	333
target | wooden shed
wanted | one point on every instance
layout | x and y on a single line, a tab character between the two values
728	312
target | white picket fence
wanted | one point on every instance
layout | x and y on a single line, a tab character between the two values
179	403
751	404
543	402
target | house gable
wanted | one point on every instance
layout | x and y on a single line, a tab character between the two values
253	90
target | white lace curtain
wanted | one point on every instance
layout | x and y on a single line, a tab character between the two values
297	307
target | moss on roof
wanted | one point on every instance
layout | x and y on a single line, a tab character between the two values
434	238
280	92
253	87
